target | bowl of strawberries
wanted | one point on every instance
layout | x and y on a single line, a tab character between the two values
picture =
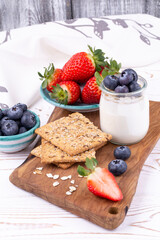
76	87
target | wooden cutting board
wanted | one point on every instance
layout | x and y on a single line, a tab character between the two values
83	203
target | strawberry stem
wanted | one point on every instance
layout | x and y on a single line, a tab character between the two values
98	57
111	68
59	94
47	75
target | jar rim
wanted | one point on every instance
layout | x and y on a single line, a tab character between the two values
129	94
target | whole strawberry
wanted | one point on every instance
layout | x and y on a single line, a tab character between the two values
91	92
82	66
51	77
66	92
100	181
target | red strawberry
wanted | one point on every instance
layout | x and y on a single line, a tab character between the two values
91	92
66	92
100	181
82	66
51	77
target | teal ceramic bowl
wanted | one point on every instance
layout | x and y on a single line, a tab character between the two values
78	107
15	143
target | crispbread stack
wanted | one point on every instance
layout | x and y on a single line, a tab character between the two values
69	140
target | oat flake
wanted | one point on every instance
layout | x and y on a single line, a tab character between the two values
55	184
49	175
39	168
68	193
72	181
72	188
56	176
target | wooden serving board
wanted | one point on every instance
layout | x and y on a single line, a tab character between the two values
83	203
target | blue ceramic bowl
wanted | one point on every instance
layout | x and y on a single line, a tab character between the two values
15	143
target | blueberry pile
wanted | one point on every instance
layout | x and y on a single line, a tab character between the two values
16	120
118	166
126	82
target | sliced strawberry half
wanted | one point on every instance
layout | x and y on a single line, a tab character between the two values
100	181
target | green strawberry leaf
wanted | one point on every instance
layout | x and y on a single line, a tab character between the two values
41	76
59	94
98	57
111	68
48	72
99	78
82	171
44	84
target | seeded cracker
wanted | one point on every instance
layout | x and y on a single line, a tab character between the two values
37	152
51	153
73	134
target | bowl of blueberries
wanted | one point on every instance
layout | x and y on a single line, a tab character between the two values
17	128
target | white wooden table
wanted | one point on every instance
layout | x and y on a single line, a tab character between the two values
25	216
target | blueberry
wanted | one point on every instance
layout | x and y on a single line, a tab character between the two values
21	105
127	76
134	86
5	118
9	128
122	152
18	123
111	82
121	89
1	114
1	134
28	120
5	111
22	130
15	113
117	167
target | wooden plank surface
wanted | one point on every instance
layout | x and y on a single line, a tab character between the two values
25	216
15	13
103	212
94	8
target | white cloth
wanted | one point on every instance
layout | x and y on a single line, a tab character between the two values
133	40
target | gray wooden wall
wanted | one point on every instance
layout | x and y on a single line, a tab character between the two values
19	13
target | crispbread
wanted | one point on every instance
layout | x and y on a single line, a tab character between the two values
51	153
37	152
73	134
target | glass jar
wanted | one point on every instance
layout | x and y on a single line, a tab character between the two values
125	115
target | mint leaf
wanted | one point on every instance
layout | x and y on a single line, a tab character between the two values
89	163
82	171
95	162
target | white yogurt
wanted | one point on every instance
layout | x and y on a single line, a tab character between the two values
125	116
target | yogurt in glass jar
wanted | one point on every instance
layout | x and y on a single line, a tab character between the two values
125	115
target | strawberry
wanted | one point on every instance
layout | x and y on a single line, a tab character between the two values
82	66
51	77
100	181
91	92
66	92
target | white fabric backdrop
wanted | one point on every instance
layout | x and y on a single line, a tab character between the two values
133	40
